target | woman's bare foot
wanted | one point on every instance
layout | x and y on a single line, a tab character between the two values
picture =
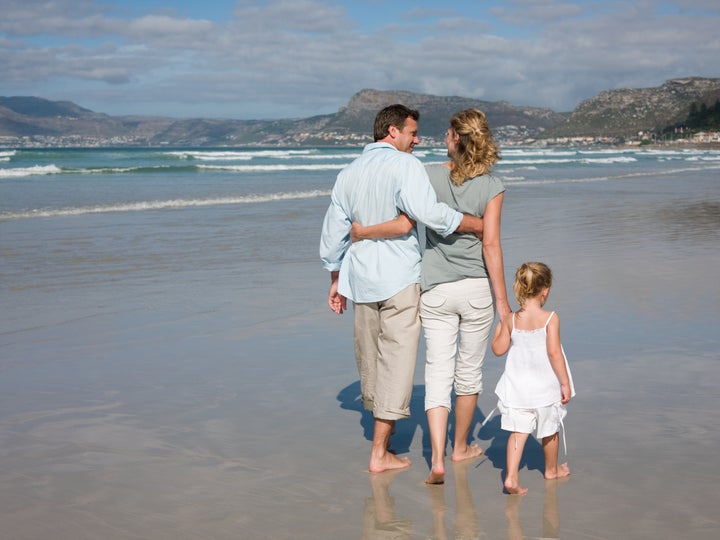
513	487
469	452
387	462
437	474
560	472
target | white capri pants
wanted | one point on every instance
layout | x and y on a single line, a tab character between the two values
457	318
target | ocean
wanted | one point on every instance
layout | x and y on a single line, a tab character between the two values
169	367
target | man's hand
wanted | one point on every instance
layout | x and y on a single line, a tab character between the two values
336	301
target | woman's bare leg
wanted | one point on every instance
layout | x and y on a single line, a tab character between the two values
437	422
464	414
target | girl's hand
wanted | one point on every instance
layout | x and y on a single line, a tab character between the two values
565	393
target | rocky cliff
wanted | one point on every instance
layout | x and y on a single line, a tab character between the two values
628	111
435	112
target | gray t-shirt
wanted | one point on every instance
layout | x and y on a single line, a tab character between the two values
457	256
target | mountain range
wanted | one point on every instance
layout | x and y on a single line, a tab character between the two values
33	121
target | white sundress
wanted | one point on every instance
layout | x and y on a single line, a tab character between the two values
529	381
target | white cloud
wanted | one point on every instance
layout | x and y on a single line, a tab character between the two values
305	57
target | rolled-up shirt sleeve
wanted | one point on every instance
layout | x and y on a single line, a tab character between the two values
335	237
416	197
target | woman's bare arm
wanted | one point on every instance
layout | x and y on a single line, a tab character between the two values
492	252
399	226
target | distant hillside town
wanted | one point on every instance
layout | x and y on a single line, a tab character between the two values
681	111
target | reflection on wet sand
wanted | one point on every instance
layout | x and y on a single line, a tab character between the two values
467	525
379	520
551	516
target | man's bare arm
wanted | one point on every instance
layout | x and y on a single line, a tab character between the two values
471	224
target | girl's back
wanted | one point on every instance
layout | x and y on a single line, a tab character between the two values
529	380
531	319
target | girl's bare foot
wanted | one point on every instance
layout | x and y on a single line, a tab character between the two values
437	474
469	452
560	472
387	462
513	487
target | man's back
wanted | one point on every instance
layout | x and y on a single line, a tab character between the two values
372	189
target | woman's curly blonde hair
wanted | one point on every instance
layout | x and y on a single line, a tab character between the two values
476	151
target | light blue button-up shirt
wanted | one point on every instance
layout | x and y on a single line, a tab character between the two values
370	190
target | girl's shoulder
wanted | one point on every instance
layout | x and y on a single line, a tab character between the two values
553	321
535	319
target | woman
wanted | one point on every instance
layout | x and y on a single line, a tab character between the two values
460	275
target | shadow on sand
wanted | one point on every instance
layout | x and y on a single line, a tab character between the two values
349	398
380	518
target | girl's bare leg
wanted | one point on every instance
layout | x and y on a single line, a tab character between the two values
437	422
515	446
464	414
550	446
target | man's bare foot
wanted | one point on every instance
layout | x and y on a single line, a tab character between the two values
469	452
437	474
387	462
561	472
513	487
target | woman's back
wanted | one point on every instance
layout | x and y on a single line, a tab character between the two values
457	256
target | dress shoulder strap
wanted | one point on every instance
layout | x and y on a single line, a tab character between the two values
513	323
548	319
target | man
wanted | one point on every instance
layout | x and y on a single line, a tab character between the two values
382	276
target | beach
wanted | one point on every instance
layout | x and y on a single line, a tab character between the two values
173	371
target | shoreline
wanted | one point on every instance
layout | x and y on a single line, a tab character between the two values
635	145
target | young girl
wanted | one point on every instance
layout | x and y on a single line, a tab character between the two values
536	383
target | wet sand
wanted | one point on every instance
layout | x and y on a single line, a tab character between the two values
228	408
158	429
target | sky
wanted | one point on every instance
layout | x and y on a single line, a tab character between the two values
269	59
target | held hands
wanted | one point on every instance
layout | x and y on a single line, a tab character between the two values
503	311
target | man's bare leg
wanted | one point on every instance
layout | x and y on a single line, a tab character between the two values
437	422
380	459
464	414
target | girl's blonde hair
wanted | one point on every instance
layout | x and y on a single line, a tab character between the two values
530	279
476	151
